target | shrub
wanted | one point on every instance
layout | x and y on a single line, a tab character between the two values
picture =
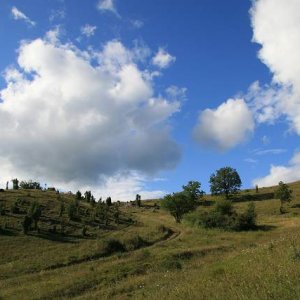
112	246
171	263
223	216
247	220
135	243
2	209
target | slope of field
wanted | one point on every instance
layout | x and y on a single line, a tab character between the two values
160	260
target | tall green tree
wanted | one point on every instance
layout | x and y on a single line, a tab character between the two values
178	204
284	194
225	181
193	188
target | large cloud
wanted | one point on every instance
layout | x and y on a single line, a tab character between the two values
288	173
276	27
76	117
224	127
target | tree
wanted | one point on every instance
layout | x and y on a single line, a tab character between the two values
178	204
193	188
284	194
225	181
15	184
33	185
35	213
78	195
138	200
88	196
108	201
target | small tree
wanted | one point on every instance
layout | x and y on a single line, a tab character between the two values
256	188
193	189
15	184
178	204
138	200
35	213
72	211
284	194
78	195
26	224
108	201
61	209
88	196
225	181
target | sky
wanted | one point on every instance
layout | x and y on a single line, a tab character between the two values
126	96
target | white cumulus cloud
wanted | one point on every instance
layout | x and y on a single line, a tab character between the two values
108	5
276	27
88	30
288	173
224	127
69	121
163	59
19	15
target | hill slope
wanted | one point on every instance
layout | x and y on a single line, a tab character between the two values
144	254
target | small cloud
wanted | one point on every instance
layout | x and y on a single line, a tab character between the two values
88	30
163	59
18	15
250	160
137	24
270	151
57	14
265	140
108	5
176	93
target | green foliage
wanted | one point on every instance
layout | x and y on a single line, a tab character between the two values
35	213
72	211
108	201
113	246
223	215
138	200
78	195
2	209
33	185
61	209
26	224
179	204
284	194
225	181
134	243
194	189
15	184
88	196
14	209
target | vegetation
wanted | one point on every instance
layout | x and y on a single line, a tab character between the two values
145	254
225	181
284	194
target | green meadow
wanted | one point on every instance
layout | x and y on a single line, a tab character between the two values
143	253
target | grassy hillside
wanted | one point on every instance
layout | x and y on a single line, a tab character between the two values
154	257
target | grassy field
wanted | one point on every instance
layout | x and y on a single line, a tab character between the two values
161	259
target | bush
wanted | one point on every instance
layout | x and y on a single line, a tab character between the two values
135	243
247	220
171	263
112	246
223	216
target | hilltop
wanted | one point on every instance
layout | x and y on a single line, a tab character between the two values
141	252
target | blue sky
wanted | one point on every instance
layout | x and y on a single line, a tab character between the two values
126	97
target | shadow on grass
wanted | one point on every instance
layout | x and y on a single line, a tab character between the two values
53	237
296	206
8	232
265	227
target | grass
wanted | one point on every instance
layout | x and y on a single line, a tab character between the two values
160	259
